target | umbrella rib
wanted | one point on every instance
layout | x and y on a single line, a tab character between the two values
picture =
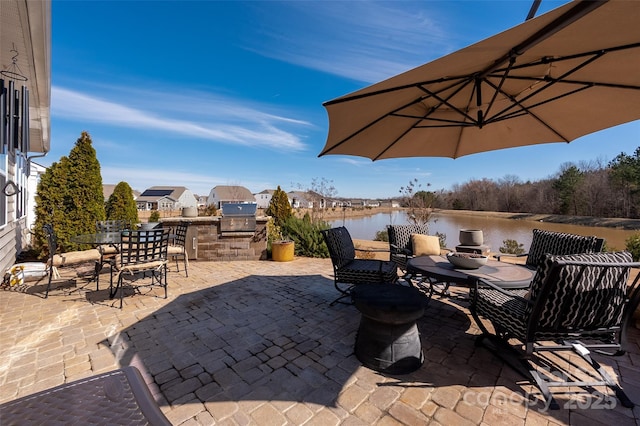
550	82
363	128
550	60
392	89
575	13
498	89
377	157
462	84
524	110
527	110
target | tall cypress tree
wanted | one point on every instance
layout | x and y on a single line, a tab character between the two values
279	207
70	196
121	205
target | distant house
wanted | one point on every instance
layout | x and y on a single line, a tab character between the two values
263	198
107	190
300	200
201	200
390	203
166	198
222	194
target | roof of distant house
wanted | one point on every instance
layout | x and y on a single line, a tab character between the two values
233	193
157	192
267	191
107	190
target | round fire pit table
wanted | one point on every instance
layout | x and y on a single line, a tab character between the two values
388	340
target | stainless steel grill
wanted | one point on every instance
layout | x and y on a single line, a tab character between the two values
238	219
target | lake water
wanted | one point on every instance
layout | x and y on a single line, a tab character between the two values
495	230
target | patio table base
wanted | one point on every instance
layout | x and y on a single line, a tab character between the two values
388	340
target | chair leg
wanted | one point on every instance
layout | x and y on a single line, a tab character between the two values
607	380
164	270
46	294
339	300
186	264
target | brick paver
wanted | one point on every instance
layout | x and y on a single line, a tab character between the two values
257	343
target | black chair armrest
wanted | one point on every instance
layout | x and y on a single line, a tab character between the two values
482	283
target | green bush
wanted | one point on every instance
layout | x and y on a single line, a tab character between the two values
382	236
511	247
121	205
69	196
154	216
442	237
633	246
306	235
279	207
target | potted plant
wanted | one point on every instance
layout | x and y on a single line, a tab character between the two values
282	249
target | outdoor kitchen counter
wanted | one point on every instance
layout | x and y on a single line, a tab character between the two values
205	241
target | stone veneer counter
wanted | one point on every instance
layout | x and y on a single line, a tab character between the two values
211	244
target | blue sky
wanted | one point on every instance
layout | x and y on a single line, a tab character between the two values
206	93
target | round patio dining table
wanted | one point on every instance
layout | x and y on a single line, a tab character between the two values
505	275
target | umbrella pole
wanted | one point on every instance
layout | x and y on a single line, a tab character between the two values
533	10
578	11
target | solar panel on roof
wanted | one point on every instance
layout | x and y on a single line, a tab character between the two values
156	192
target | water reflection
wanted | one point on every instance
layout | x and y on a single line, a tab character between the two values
495	230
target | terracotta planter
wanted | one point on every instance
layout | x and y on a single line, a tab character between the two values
471	237
282	251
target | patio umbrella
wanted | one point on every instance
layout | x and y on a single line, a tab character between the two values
554	78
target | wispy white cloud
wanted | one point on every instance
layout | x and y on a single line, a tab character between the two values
362	40
354	162
200	116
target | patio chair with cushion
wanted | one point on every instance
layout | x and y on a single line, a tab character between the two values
402	244
349	271
577	303
177	248
57	260
558	243
143	254
108	251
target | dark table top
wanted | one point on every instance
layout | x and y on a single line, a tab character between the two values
502	274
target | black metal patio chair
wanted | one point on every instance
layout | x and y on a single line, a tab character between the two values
349	271
57	260
400	244
577	303
557	243
108	251
143	254
177	247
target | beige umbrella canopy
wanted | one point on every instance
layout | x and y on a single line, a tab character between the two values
565	74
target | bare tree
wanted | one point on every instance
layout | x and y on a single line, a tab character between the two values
508	186
418	202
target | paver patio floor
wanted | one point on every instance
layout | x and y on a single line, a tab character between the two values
257	342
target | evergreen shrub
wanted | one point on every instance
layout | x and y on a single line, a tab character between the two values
633	246
121	205
307	236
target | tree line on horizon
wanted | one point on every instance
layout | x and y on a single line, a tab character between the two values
592	188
